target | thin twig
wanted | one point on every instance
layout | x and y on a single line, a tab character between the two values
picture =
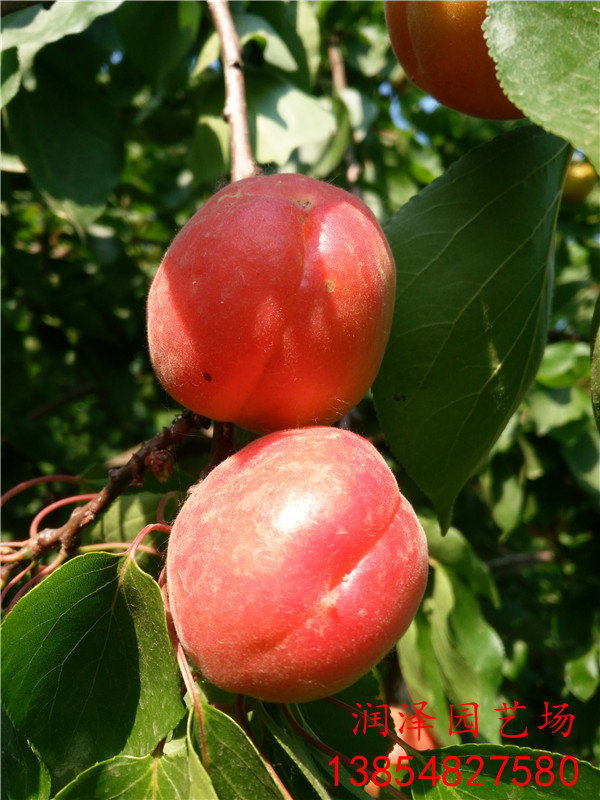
234	111
519	560
340	83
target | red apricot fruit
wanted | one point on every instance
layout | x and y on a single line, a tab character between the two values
273	305
441	46
295	565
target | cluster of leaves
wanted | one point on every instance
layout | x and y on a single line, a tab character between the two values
114	136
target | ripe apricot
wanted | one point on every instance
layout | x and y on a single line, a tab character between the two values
295	565
441	46
273	305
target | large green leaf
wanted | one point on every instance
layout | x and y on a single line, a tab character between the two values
88	671
68	139
10	75
423	675
467	649
298	24
24	777
160	777
234	764
157	36
282	117
32	28
300	756
252	27
547	61
474	262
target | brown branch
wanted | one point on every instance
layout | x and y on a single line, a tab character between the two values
234	111
131	474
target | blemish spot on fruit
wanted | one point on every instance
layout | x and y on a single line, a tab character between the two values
304	204
207	376
329	286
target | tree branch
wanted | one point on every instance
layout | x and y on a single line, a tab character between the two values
131	474
234	111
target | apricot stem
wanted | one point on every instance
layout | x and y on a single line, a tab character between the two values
223	445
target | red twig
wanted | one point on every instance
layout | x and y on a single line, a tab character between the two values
135	545
65	501
21	487
160	511
36	578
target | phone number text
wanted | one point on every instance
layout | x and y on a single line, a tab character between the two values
521	770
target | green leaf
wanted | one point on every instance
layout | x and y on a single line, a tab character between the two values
490	771
209	156
33	28
158	36
552	409
88	671
124	778
283	118
275	51
423	675
547	62
298	24
347	733
564	363
582	674
124	519
319	159
24	777
200	781
234	764
35	25
300	755
10	75
503	486
468	650
454	551
68	139
473	253
582	455
362	111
